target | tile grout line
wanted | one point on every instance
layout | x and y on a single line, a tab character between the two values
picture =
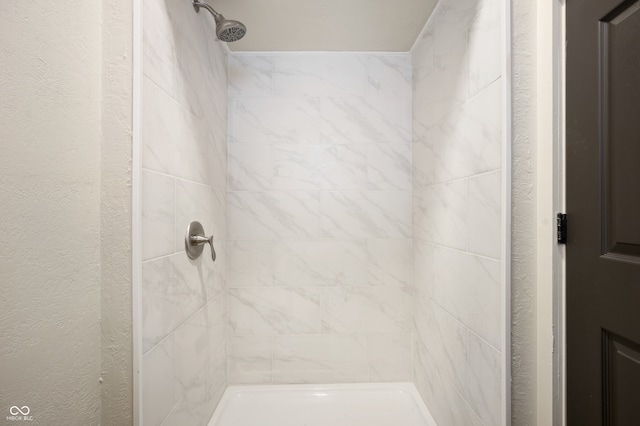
480	256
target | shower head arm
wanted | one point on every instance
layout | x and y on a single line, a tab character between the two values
198	4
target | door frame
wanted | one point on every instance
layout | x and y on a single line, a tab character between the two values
551	190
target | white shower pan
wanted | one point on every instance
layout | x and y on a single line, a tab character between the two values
384	404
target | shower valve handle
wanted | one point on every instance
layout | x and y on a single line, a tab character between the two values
195	240
198	240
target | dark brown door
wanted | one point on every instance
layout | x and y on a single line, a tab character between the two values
603	210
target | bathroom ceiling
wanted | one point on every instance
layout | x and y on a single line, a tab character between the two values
327	25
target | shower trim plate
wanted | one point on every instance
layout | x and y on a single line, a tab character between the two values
195	239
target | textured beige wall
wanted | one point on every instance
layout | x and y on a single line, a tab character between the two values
50	210
523	211
115	241
55	230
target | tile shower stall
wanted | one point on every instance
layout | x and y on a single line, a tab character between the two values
356	204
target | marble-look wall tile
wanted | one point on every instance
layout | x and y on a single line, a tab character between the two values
250	359
184	120
446	404
215	312
191	48
390	357
178	143
162	128
484	217
218	163
250	167
421	272
250	75
366	309
200	369
197	151
219	269
192	341
297	167
468	287
185	22
250	263
468	363
320	359
217	62
389	76
159	53
389	166
445	339
440	75
216	379
274	120
216	369
439	86
389	262
191	409
304	167
465	143
483	380
457	211
366	120
158	204
366	214
320	263
422	163
173	288
275	310
217	65
320	198
451	22
266	215
158	378
485	49
317	75
440	214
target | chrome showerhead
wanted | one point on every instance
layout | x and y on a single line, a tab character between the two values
227	30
